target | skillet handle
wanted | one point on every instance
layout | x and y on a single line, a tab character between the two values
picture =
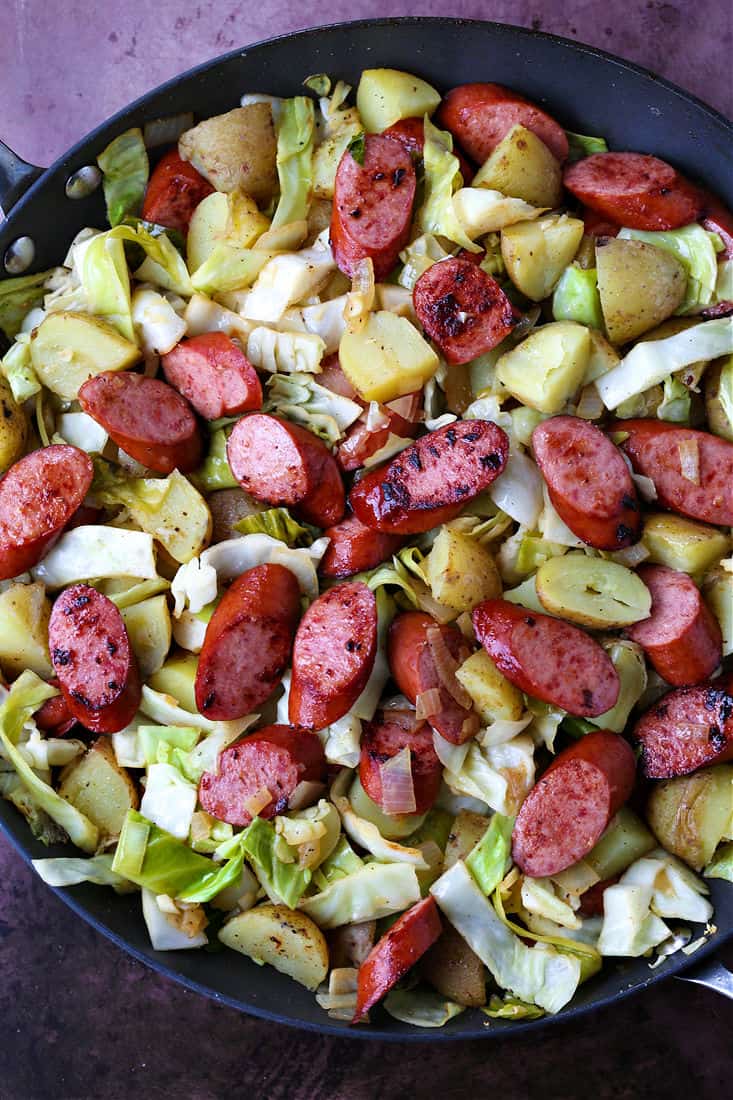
714	975
16	176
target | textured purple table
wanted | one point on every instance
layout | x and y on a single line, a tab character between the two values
81	1020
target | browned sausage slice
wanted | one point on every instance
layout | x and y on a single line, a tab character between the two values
272	761
681	637
692	471
400	418
333	655
38	496
480	115
386	736
462	309
355	548
372	206
564	814
92	658
588	481
548	658
410	132
686	730
247	642
634	190
429	482
214	374
146	417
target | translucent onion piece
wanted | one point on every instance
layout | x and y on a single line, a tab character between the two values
590	406
446	666
427	704
398	789
690	460
257	801
306	793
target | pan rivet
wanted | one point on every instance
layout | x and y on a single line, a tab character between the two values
83	182
19	256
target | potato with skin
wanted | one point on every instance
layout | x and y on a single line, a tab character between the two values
385	96
689	815
452	968
148	626
639	286
177	678
13	427
547	369
683	544
625	840
227	507
223	219
494	697
522	166
24	615
718	591
592	592
68	348
387	358
719	397
285	938
100	788
235	151
536	253
461	573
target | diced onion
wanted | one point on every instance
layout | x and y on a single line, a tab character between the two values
398	789
590	406
166	131
631	555
446	667
690	460
306	793
428	703
257	801
407	407
360	300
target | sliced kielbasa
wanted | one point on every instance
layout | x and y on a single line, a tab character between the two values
462	309
397	951
564	814
273	761
548	658
692	471
410	132
333	655
355	548
372	206
588	481
687	729
480	115
423	657
595	225
93	660
247	642
146	417
54	716
282	463
214	374
174	191
681	637
430	481
362	442
634	190
389	733
38	497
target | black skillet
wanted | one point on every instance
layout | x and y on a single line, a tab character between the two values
590	92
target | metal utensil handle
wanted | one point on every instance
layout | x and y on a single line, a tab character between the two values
713	975
16	176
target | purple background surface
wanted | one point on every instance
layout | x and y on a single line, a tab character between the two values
80	1018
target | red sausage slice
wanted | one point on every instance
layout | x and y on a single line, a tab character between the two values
333	655
657	450
282	463
430	482
564	814
634	190
214	375
588	481
397	951
597	226
389	733
462	309
410	132
548	658
38	496
174	191
480	115
401	418
355	548
92	658
247	642
274	760
146	417
681	637
372	206
419	663
54	716
687	729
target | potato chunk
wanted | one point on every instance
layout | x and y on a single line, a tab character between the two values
68	348
235	151
689	815
285	938
639	285
537	252
24	615
384	96
13	427
494	697
547	368
461	573
99	788
387	358
521	165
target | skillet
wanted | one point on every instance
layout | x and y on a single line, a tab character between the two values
590	92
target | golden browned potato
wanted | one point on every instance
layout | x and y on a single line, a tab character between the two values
639	286
68	348
494	697
536	253
13	427
99	788
236	150
285	938
522	166
227	507
24	615
683	544
719	397
454	969
461	573
689	815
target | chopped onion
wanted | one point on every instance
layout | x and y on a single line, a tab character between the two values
306	793
631	556
407	407
690	460
590	406
676	942
342	979
446	667
575	880
309	853
428	703
360	299
398	790
257	801
376	418
166	131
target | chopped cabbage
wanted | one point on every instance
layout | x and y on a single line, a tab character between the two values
124	166
158	327
576	297
324	319
540	899
289	278
82	431
421	1007
677	401
442	175
282	882
295	132
164	934
106	282
721	865
94	550
285	352
480	211
552	528
68	871
676	892
629	927
693	247
499	775
169	800
417	257
490	859
17	367
518	492
367	835
367	703
163	264
581	145
215	471
510	1008
203	315
165	710
278	524
18	297
300	398
372	892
